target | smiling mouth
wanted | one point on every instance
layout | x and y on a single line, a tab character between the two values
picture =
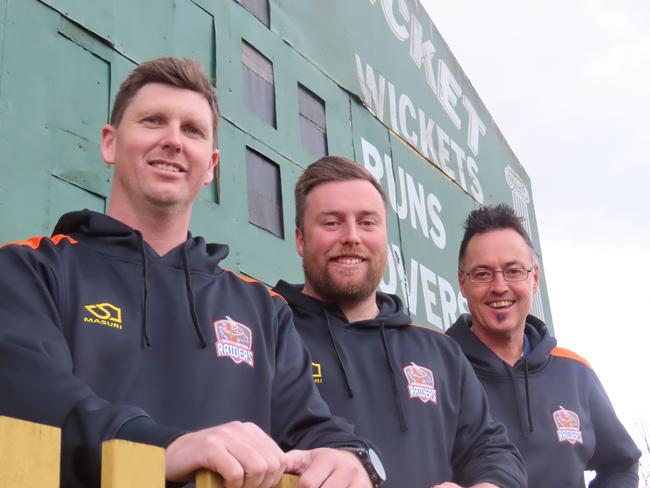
500	304
348	260
166	166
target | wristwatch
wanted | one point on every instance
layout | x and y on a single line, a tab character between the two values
371	463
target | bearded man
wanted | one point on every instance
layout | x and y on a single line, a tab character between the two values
408	389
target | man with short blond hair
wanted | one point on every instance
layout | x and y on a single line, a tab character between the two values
125	326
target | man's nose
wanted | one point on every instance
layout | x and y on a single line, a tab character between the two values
172	138
350	234
499	283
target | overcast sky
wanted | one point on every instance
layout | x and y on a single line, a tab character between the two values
568	84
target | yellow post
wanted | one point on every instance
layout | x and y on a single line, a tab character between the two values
208	479
288	481
130	465
29	454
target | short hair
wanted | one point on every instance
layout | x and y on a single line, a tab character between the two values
178	72
325	170
489	218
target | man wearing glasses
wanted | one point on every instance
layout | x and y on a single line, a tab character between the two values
552	403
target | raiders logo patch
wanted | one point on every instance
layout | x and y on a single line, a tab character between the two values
234	341
568	426
420	383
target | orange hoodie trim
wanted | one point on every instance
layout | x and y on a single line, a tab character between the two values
35	242
248	279
565	353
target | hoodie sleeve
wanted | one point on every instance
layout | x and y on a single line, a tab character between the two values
300	417
616	457
482	451
37	377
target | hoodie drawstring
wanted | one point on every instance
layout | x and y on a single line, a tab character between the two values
522	425
190	299
146	343
338	355
525	429
530	416
396	395
144	335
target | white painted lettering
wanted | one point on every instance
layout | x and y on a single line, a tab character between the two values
475	126
417	205
373	94
462	303
412	296
437	232
429	280
404	104
460	157
406	196
443	152
401	273
475	188
399	30
392	106
402	209
422	53
389	286
441	306
447	302
426	137
448	92
372	159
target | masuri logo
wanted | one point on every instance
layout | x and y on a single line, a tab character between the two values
104	314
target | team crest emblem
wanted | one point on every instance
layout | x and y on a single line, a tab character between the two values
420	383
568	426
234	341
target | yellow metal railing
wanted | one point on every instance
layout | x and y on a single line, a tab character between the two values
30	458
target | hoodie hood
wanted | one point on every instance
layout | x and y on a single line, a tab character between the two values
105	234
489	367
485	361
391	309
391	316
106	231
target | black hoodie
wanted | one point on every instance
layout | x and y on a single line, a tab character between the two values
409	390
556	411
105	338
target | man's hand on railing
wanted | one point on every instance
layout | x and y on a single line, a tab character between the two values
246	457
327	468
242	453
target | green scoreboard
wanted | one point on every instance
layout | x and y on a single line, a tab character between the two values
371	80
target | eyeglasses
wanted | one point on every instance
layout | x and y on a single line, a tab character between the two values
511	275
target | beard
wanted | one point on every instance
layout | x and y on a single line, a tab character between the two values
341	287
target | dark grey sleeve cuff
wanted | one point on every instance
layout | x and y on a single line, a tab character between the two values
144	430
505	480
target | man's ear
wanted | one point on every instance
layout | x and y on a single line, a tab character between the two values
107	145
536	278
300	241
462	281
212	167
